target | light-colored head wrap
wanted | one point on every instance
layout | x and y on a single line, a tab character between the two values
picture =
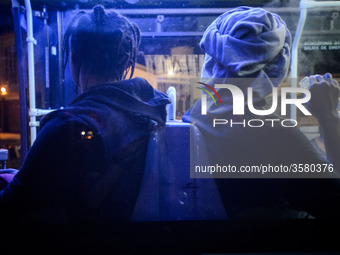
247	43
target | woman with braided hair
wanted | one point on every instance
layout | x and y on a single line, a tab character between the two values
88	160
104	44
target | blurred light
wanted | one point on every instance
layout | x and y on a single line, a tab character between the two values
3	91
89	135
132	1
171	72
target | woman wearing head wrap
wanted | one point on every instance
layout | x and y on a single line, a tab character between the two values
250	48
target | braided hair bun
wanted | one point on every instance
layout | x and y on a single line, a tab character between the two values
103	43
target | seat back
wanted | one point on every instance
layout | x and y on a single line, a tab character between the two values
167	191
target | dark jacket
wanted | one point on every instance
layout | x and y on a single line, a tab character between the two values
88	159
280	195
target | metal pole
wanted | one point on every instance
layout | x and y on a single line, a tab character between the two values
31	72
294	60
61	90
304	5
171	108
22	78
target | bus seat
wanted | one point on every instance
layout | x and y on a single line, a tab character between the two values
167	191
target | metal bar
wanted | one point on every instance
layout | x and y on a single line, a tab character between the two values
47	60
61	90
171	108
40	112
194	11
170	34
22	79
307	4
294	60
304	5
3	158
31	72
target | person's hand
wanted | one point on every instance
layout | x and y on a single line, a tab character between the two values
324	96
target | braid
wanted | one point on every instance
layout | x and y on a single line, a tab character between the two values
134	48
105	43
69	31
99	15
